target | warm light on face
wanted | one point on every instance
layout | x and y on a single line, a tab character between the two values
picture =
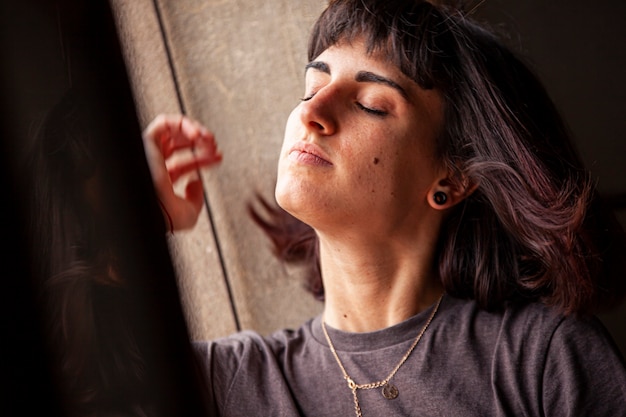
360	147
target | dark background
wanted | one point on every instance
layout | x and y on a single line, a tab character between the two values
578	49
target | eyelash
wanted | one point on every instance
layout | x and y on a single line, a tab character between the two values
373	112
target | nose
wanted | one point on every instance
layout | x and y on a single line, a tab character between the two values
319	113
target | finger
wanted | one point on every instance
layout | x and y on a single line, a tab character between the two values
181	168
160	125
206	141
193	128
203	140
161	131
206	148
194	193
185	133
153	152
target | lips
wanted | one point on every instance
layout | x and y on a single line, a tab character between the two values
309	154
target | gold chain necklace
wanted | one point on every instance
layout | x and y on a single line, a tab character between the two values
389	391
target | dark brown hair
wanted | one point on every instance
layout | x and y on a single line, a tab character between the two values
535	228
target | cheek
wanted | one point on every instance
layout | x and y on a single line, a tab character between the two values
284	190
292	126
394	169
370	168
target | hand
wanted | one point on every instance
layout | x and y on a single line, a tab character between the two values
176	146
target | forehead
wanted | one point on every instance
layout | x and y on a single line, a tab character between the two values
354	56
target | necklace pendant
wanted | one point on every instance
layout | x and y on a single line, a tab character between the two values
390	391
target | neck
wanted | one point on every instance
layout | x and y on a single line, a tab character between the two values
369	287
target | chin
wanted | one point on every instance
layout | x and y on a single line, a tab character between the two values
285	198
294	200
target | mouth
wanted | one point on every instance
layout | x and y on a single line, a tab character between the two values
308	154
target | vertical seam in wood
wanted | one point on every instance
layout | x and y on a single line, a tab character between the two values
181	104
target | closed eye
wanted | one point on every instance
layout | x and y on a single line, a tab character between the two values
369	110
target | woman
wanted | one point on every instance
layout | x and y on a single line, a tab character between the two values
459	242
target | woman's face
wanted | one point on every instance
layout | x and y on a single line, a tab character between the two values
359	150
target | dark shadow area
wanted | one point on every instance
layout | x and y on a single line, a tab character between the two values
91	316
576	47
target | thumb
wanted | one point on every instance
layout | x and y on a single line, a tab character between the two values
194	193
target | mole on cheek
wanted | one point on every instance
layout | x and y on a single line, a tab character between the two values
376	161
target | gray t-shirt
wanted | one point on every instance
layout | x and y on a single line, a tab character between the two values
524	361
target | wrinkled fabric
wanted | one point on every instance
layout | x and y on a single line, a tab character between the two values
523	361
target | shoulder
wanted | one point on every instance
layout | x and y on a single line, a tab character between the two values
525	337
250	363
248	349
513	321
556	332
532	318
584	371
538	357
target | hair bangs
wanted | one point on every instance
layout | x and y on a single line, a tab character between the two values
406	33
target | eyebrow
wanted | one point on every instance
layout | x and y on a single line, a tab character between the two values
370	77
362	77
318	65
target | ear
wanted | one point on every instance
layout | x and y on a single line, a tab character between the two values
447	192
